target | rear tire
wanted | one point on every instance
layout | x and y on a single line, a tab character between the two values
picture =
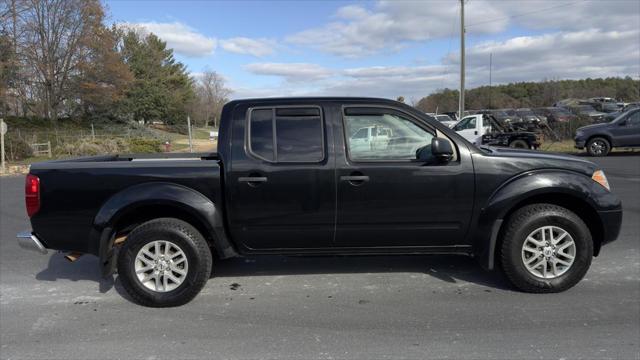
598	146
519	144
164	262
531	258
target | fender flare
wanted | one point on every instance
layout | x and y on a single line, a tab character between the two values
168	194
518	190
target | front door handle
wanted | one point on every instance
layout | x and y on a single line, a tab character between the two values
355	180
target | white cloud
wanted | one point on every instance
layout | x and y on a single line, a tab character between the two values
178	36
357	30
243	45
293	72
561	55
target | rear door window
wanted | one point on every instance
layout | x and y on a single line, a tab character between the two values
294	134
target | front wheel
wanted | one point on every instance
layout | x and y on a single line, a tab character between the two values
545	248
598	147
164	262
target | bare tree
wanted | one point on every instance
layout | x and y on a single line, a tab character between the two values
212	95
53	30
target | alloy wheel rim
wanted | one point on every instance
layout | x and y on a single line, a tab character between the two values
548	252
597	147
161	266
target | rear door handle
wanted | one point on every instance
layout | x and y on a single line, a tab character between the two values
252	179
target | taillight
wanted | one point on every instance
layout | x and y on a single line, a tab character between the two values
32	194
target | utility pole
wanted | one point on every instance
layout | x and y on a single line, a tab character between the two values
190	139
490	89
461	104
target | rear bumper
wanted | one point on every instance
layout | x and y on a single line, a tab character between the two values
579	143
28	240
611	224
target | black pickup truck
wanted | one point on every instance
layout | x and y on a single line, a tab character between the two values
323	176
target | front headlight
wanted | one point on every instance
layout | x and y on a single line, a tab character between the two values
599	177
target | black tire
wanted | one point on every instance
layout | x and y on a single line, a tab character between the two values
192	244
522	223
598	146
519	144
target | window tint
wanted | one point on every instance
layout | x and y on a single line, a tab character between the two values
634	119
262	133
466	123
397	138
298	134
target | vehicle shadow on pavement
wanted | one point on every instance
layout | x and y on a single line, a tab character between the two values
448	268
85	268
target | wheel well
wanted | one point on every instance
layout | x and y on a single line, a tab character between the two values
140	215
575	204
606	137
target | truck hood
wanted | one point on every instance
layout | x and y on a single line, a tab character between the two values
532	159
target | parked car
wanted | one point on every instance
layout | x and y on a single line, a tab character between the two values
599	139
606	104
527	115
482	129
555	114
513	115
446	120
287	179
588	110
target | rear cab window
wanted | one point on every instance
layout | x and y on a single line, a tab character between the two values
286	134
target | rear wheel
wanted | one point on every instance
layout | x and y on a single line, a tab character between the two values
164	262
598	146
519	144
545	248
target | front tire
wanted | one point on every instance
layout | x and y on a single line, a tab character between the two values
545	249
164	262
598	146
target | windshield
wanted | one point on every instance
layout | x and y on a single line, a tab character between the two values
586	108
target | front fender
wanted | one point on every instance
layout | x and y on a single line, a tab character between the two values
138	196
527	186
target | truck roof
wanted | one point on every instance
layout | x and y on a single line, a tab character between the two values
350	99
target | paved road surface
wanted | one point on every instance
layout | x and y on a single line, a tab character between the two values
324	308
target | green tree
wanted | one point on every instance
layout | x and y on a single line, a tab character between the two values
162	89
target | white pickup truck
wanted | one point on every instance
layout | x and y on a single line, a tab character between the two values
482	129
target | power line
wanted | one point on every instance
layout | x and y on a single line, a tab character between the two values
526	13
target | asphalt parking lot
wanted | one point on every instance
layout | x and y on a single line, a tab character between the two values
324	307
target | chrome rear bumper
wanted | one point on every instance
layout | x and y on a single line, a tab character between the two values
27	240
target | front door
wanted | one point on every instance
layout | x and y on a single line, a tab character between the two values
627	133
468	129
281	185
387	198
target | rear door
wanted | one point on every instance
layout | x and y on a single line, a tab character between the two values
281	185
387	198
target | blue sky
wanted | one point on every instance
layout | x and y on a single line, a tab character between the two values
389	48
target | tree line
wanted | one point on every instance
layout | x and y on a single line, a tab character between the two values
531	94
59	59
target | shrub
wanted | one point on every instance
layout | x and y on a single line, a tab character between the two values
144	145
16	148
89	147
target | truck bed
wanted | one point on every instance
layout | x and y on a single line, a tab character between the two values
73	191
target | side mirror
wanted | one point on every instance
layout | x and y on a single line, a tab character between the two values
622	123
441	149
